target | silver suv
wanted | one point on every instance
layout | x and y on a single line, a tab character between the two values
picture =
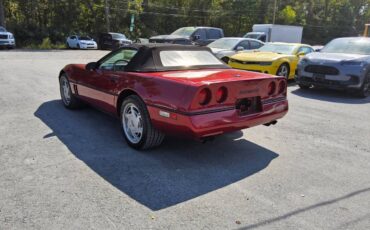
6	39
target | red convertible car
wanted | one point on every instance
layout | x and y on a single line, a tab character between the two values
159	89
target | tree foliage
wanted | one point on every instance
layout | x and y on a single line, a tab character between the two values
34	20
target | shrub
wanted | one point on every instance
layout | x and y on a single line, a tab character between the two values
45	44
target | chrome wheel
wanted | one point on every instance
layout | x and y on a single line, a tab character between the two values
65	90
132	123
283	71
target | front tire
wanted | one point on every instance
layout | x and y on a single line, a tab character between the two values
136	125
303	86
283	71
69	100
364	91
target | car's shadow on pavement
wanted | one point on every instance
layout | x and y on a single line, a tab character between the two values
330	96
176	172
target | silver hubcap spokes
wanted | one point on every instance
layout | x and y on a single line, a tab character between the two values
66	93
132	123
283	71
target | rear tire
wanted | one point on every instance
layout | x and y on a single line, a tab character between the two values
69	100
136	125
364	91
302	86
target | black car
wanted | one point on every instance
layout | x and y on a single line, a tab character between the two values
111	41
190	36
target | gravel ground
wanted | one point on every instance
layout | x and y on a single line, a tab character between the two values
63	169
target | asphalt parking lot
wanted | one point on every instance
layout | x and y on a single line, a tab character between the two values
63	169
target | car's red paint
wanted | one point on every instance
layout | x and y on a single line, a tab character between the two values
176	92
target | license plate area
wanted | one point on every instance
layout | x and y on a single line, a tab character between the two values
319	77
247	106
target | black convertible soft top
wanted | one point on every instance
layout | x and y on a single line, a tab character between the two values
147	58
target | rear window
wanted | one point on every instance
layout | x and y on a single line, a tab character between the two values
172	58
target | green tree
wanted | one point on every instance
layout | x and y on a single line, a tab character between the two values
288	15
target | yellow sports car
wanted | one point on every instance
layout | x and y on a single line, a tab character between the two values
274	58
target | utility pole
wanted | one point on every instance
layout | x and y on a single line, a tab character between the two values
107	15
275	8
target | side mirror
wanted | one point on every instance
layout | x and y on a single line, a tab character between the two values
239	48
300	54
91	66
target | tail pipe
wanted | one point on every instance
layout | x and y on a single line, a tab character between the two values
271	123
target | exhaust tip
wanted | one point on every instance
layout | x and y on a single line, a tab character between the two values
274	122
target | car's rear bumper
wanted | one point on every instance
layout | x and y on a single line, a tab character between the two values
215	123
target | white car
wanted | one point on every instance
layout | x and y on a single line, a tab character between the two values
83	42
6	39
225	47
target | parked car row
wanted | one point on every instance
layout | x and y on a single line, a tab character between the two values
106	41
170	89
343	63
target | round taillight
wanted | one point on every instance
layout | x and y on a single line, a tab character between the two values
221	94
204	96
282	86
271	88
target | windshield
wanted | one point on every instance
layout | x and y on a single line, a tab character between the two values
84	38
184	32
348	46
224	43
118	36
278	48
173	58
